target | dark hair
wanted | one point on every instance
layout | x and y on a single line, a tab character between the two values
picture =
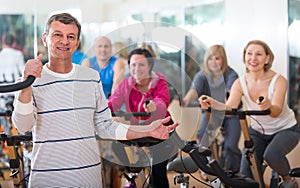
64	18
8	39
146	53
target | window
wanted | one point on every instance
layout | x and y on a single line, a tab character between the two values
294	55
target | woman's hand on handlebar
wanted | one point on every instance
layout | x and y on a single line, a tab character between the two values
33	67
264	103
150	106
205	101
208	103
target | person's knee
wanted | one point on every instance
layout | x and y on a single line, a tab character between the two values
270	158
231	148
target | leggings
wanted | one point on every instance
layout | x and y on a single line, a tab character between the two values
272	149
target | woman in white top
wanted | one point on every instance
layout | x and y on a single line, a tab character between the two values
274	135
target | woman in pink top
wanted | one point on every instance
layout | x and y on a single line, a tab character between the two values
144	84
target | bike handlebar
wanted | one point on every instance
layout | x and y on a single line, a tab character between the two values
7	113
17	86
15	138
234	112
128	115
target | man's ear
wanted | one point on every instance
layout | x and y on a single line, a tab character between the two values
44	39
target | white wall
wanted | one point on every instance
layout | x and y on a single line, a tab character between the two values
266	20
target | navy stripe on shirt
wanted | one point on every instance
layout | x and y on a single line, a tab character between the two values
66	109
65	140
61	169
61	81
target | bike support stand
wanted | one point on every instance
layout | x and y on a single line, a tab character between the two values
248	144
14	162
15	156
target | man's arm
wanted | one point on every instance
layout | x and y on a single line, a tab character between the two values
156	129
23	114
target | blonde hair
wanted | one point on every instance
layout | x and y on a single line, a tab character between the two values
267	49
212	51
120	50
149	48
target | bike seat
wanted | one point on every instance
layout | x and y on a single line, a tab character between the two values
186	165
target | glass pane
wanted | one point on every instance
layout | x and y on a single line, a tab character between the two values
187	49
205	22
294	55
206	13
21	26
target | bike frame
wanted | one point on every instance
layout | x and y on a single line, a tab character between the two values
13	142
134	142
15	156
248	145
248	142
202	159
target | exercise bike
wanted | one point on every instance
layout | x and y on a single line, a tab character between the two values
130	155
201	157
133	155
16	162
248	144
14	141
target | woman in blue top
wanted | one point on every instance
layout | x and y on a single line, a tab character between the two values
216	80
111	71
